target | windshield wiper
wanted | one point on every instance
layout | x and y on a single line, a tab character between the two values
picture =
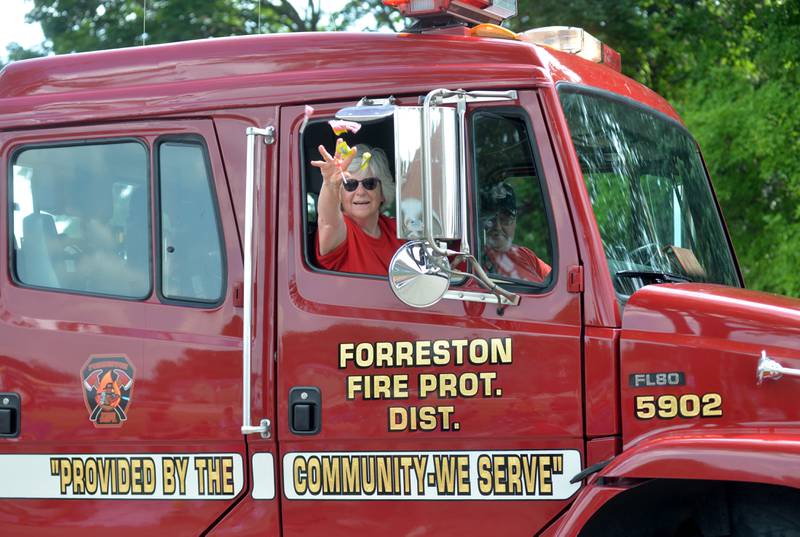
653	276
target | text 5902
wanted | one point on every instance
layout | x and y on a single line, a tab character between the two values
688	405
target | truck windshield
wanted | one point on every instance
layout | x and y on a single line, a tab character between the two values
651	196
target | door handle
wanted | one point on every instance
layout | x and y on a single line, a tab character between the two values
10	407
305	410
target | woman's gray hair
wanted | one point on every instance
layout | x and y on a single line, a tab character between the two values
378	166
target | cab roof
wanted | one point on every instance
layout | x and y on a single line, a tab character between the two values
282	69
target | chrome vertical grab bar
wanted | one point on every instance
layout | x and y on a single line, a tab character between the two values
249	201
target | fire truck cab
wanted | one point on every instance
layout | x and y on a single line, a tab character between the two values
564	343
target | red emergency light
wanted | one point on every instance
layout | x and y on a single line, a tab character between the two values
469	11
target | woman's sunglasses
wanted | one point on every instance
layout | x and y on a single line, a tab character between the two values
351	185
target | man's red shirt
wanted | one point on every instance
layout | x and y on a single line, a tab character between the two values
518	262
361	253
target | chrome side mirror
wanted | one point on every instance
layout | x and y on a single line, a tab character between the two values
444	209
419	276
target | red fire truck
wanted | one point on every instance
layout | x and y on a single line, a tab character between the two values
176	361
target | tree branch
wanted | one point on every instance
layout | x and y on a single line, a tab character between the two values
285	9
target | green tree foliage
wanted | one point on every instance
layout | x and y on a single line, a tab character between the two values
17	52
743	110
367	15
82	25
656	38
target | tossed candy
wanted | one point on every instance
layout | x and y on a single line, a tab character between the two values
343	149
309	111
341	126
365	160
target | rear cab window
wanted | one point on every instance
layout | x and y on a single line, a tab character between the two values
82	213
80	220
190	244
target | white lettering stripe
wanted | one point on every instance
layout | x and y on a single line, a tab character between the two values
431	475
141	476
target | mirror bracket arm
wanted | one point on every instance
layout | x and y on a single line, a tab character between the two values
504	298
484	278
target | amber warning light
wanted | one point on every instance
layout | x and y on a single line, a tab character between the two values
469	11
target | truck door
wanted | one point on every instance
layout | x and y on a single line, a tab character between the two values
459	419
122	343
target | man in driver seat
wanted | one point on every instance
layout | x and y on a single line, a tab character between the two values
499	221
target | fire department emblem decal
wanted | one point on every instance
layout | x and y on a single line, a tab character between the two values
107	387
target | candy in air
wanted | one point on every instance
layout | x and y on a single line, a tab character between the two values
309	111
341	126
365	160
343	149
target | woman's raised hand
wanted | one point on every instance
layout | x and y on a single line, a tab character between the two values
333	168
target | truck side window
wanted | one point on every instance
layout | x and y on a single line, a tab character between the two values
190	252
514	240
78	225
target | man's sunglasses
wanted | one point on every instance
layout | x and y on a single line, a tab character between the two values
504	218
351	185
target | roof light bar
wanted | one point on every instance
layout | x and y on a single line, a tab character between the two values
575	41
469	11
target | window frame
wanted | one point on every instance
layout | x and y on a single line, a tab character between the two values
198	141
516	110
519	112
304	182
11	251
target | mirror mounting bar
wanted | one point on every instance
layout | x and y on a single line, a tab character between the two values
427	196
367	110
461	107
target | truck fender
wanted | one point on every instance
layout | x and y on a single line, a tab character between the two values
763	457
760	457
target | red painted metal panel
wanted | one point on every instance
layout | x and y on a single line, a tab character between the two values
201	76
239	57
230	127
733	454
602	449
755	455
600	300
538	407
187	360
564	67
255	515
714	335
601	374
257	518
